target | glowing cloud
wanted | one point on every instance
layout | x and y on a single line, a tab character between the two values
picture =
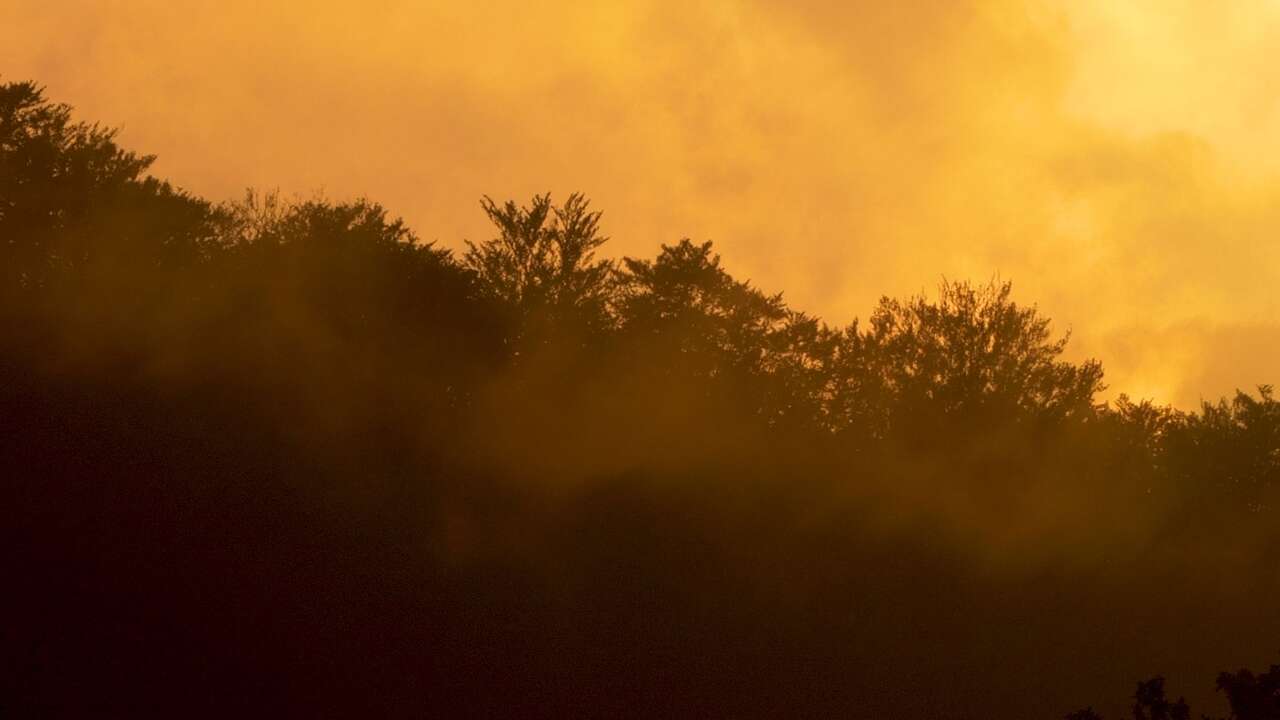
1117	161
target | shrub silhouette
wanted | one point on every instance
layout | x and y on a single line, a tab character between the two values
1250	696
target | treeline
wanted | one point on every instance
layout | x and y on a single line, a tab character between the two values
267	455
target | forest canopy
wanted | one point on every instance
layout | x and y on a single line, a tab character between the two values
286	439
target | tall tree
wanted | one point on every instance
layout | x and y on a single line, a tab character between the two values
543	264
973	352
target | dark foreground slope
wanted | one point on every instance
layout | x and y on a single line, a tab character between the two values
274	459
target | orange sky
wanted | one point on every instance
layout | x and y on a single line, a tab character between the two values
1117	160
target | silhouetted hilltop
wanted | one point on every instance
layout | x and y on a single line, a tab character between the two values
273	458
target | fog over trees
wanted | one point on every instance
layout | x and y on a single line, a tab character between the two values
272	457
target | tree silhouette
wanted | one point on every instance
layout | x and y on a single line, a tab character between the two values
542	263
974	350
1150	703
1250	696
1228	452
73	200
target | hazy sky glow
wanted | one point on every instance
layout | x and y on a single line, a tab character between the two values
1119	161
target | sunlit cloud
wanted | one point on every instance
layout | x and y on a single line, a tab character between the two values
1117	161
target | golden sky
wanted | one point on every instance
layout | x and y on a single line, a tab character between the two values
1117	159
